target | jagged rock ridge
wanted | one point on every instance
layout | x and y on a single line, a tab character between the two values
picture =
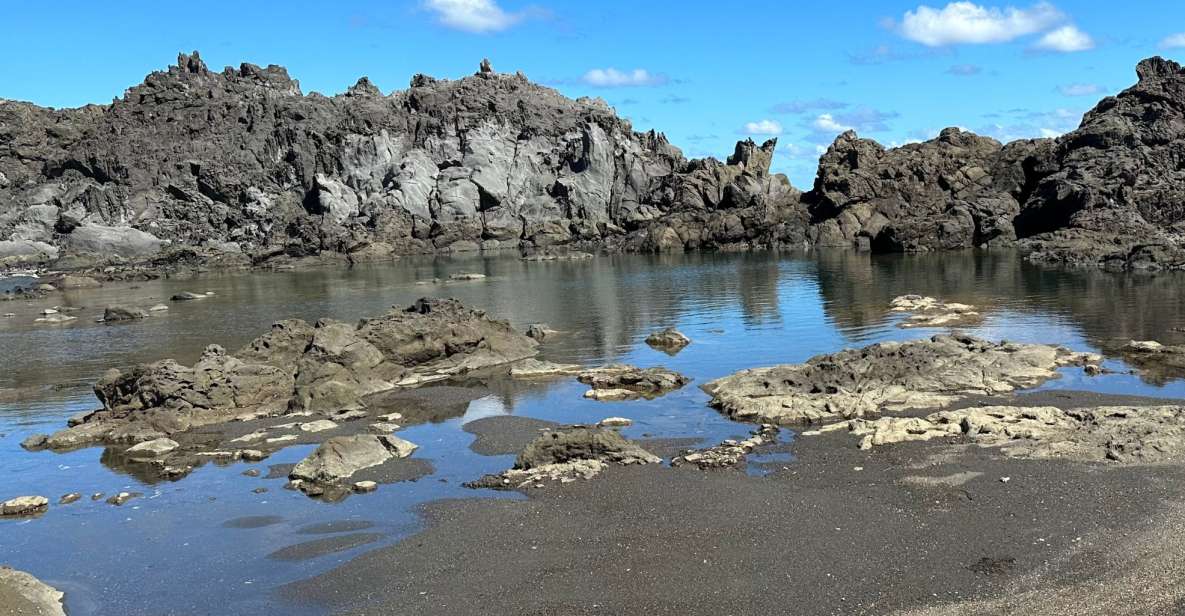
240	162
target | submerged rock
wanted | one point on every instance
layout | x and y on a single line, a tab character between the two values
1156	362
1127	434
113	314
540	331
887	376
669	340
566	455
152	449
624	382
24	506
931	312
188	296
729	453
21	594
538	369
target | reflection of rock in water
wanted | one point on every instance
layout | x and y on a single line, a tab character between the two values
1107	307
426	404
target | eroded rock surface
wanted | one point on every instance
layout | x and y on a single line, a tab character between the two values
625	382
1127	434
887	376
931	312
311	378
21	594
241	164
567	455
338	458
729	453
1156	362
669	340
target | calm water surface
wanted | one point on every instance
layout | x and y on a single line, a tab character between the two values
170	551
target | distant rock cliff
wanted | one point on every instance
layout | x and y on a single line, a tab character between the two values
241	163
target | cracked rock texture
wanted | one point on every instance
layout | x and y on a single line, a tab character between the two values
326	368
242	161
240	167
1138	435
887	376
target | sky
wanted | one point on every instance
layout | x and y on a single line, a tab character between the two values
705	73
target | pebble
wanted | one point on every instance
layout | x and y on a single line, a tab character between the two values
122	497
69	498
365	486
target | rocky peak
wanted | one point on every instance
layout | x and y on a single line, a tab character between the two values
1156	67
485	68
192	63
755	160
363	87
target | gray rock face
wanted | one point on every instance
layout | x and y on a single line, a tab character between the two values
196	164
241	157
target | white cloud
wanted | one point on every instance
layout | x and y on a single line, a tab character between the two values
1081	89
763	127
827	123
1049	133
1066	39
613	78
477	16
1173	41
967	22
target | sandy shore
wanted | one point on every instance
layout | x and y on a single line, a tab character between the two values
927	528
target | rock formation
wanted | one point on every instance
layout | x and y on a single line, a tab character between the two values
241	161
240	167
887	376
567	455
327	369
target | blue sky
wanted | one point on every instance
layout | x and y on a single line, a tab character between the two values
705	73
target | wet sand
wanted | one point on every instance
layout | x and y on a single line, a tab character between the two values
930	525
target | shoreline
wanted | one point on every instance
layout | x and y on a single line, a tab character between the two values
922	525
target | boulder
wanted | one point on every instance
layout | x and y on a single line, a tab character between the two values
669	340
566	455
107	241
620	381
152	449
24	506
341	456
114	314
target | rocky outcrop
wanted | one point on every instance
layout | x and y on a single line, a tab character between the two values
729	453
1143	435
958	190
567	455
306	370
888	376
625	382
240	167
241	161
931	312
1111	192
669	340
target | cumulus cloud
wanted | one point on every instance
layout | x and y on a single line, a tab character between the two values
762	127
613	78
827	123
1173	41
805	105
964	70
1066	39
1081	89
478	16
970	23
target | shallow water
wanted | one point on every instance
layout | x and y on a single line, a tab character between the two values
185	547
